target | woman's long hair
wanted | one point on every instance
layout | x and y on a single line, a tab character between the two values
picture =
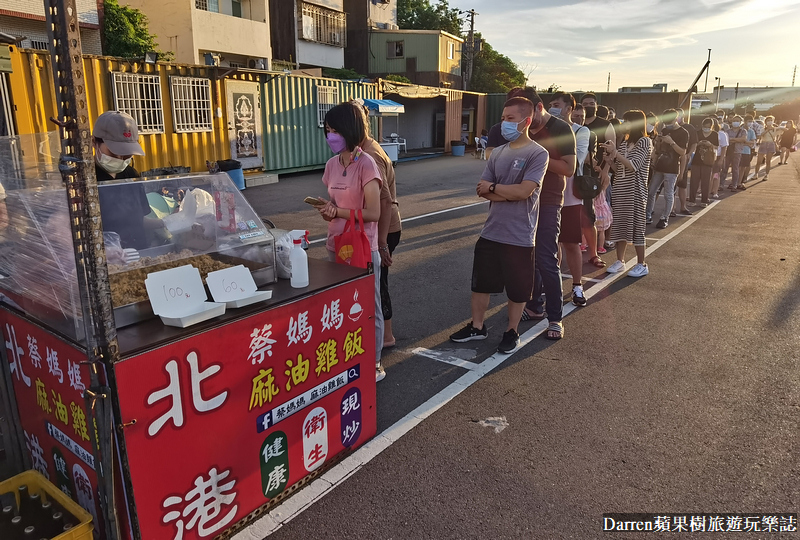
635	126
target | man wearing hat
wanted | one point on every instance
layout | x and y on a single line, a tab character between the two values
124	207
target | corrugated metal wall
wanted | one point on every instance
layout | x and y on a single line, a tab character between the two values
452	118
34	100
494	108
292	138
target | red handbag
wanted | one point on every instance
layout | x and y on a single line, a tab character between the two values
352	246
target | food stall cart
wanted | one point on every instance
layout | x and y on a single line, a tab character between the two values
382	108
186	423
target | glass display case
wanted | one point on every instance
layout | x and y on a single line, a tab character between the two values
149	226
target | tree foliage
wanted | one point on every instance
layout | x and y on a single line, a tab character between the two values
126	33
342	73
494	72
422	15
397	78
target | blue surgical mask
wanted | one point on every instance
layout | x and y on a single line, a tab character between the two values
555	111
509	130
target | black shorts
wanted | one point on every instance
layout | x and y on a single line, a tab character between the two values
499	266
571	224
745	160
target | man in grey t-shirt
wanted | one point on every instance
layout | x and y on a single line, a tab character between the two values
504	253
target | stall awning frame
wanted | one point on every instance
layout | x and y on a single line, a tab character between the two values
384	107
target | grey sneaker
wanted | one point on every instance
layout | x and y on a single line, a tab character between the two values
469	333
649	220
662	224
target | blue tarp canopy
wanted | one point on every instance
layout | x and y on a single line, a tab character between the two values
384	107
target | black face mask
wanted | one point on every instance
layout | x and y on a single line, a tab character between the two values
590	111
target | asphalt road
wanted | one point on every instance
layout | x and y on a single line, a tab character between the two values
677	392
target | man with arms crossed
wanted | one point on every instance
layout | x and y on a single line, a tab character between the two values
504	253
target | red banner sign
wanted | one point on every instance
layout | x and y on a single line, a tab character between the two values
228	419
49	377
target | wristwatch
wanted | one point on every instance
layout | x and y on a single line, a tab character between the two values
491	188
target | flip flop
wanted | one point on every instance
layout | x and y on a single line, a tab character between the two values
602	250
597	261
555	327
390	345
535	317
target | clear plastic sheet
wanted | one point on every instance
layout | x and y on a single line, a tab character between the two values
201	220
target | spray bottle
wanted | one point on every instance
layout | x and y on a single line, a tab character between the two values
299	259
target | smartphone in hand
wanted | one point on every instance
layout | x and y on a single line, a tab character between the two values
314	201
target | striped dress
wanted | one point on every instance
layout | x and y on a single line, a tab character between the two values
629	196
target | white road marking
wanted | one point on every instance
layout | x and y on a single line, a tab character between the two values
440	356
315	490
423	216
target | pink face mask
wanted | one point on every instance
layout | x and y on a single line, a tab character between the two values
336	142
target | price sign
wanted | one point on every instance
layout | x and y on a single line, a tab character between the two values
175	292
230	284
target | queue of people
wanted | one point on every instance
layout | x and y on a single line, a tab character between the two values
540	210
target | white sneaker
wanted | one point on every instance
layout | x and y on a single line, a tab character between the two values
640	270
616	268
380	374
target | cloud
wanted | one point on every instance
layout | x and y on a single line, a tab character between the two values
614	31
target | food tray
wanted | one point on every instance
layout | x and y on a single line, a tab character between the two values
39	484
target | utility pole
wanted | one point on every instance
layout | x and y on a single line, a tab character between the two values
705	88
469	47
735	97
794	73
608	84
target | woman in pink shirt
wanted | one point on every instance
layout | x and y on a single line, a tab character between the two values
354	183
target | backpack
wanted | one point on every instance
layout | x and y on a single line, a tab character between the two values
706	153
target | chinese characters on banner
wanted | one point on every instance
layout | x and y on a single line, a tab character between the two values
229	419
49	380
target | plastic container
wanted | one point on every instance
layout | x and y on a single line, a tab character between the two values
39	484
234	170
298	260
458	148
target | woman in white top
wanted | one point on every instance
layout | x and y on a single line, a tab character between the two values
722	150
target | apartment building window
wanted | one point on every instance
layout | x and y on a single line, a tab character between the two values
140	96
322	25
451	50
191	104
236	8
327	99
207	5
395	49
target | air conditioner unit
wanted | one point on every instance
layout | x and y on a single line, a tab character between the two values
258	63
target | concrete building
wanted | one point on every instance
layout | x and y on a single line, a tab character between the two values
234	33
425	57
308	34
25	20
656	88
362	17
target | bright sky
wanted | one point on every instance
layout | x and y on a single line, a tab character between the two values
576	43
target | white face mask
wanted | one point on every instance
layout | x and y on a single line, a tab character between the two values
112	165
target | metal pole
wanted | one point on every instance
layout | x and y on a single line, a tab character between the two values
705	87
608	84
736	97
794	74
77	171
719	84
469	48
